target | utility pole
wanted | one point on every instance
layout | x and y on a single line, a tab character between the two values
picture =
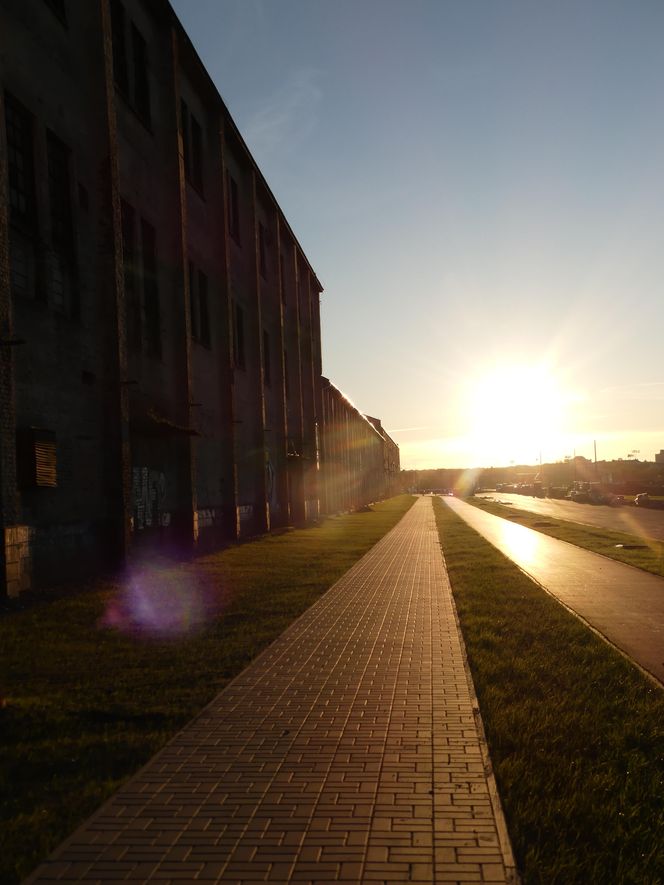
595	447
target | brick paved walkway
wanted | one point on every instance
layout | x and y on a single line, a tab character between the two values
347	752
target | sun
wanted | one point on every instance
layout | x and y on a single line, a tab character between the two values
513	412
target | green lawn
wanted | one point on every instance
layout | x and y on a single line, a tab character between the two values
576	733
90	688
643	553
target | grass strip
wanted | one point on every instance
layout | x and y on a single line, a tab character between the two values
643	553
575	732
95	682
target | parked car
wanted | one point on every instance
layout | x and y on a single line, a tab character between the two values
642	499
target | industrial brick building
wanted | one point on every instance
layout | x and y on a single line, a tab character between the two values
160	353
360	462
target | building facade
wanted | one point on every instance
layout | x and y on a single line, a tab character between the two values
160	353
359	461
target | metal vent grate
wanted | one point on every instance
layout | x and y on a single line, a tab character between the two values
37	458
46	472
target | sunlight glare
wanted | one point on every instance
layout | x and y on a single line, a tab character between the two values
514	412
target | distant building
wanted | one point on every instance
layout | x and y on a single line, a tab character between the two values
659	458
160	356
359	461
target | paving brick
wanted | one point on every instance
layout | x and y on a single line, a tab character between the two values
347	752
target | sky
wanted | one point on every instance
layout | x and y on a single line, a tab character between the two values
479	186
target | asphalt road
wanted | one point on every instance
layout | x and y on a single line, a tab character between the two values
634	520
624	604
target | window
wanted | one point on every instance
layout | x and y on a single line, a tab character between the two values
22	203
150	291
203	315
198	305
186	142
192	148
120	66
61	260
20	162
136	91
132	295
267	362
59	190
262	250
21	267
238	336
196	154
233	209
141	82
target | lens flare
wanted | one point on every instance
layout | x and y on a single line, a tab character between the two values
159	602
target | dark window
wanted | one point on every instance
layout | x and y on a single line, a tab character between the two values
20	161
59	191
203	314
262	250
141	81
233	209
58	7
238	336
186	144
118	30
83	198
192	148
196	154
132	295
150	291
267	362
61	261
198	305
21	266
193	307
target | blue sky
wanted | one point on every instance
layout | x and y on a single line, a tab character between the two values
480	188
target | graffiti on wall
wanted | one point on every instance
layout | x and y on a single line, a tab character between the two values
148	493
